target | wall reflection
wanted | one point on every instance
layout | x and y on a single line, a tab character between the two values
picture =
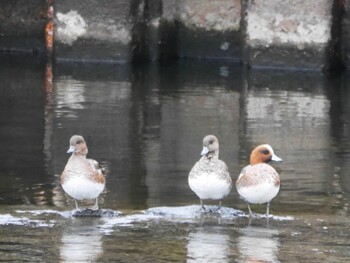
139	124
194	101
290	111
145	126
341	131
22	99
257	244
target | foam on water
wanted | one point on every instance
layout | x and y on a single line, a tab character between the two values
283	218
274	217
8	219
65	214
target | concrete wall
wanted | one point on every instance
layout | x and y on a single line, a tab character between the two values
138	30
292	32
277	34
207	29
93	30
22	24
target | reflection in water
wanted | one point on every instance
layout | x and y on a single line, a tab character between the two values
22	172
185	118
59	198
258	244
100	111
48	113
208	246
290	110
81	242
145	124
341	131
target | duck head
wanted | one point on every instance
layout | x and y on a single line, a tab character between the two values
210	146
263	154
77	145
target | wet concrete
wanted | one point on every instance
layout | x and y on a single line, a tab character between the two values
22	26
288	34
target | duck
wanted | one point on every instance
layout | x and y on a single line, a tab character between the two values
258	182
209	178
82	178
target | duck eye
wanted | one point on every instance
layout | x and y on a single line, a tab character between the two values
211	141
265	151
79	142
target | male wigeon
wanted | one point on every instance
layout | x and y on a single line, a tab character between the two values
259	182
82	178
209	177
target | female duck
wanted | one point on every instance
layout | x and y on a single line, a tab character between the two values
82	178
209	177
259	182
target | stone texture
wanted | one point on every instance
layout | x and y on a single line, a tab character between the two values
146	30
218	15
93	30
292	34
208	29
22	24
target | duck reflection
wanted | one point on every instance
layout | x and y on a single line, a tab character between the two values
258	244
208	246
81	242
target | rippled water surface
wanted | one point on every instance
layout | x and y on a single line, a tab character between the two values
145	126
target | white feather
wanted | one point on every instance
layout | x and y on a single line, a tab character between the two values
259	194
81	188
209	186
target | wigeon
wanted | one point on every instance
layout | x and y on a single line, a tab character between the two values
209	177
82	178
259	182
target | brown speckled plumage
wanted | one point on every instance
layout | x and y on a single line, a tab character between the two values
82	178
256	174
209	178
259	182
211	166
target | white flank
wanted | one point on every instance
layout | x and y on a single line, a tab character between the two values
209	186
81	188
259	194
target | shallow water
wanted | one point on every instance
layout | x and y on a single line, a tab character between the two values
145	125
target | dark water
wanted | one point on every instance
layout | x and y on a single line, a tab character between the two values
145	125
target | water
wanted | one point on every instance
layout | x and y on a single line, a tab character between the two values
145	125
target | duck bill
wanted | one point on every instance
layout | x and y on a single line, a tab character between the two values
204	151
275	158
71	149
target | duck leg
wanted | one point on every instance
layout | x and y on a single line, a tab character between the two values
203	208
219	208
250	211
95	207
76	204
267	209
